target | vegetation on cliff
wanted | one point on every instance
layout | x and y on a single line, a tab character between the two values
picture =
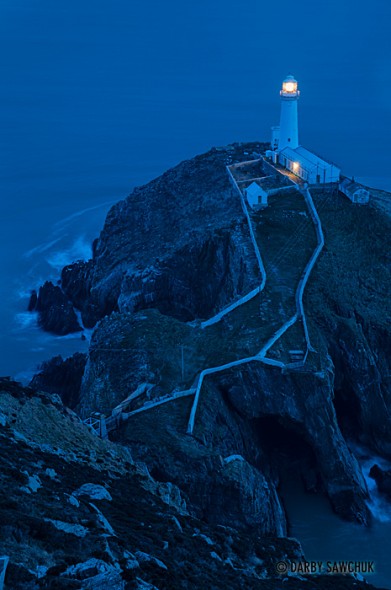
176	252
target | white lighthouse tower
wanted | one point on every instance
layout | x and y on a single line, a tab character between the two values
289	130
286	150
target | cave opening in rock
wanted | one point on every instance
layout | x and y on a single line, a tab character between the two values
348	412
283	442
288	458
159	474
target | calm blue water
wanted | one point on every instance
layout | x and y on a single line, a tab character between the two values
98	96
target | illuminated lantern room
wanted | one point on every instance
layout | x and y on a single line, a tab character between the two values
289	88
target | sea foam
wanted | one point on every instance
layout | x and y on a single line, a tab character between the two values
79	250
26	319
378	503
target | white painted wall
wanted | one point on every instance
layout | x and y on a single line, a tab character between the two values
256	196
289	129
311	174
357	196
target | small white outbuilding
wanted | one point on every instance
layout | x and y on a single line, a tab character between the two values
256	195
353	191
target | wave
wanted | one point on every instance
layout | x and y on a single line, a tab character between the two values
71	336
80	250
26	319
378	503
41	248
24	377
24	293
63	222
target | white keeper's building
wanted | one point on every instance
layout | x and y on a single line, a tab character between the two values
286	149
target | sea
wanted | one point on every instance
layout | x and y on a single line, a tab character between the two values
99	96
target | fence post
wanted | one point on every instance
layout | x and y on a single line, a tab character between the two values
102	426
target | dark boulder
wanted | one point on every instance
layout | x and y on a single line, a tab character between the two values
75	282
382	478
62	377
56	313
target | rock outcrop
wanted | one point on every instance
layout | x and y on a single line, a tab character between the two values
311	415
55	311
158	246
179	250
382	478
62	376
75	282
349	308
98	520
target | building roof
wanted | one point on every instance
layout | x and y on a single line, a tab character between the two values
306	158
290	78
255	189
352	186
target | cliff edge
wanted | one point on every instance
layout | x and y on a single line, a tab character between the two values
179	252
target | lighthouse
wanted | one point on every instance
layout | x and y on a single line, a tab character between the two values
289	130
285	148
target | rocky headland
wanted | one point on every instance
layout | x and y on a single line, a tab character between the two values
78	512
173	254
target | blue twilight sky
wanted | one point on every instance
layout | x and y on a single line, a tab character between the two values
99	95
100	86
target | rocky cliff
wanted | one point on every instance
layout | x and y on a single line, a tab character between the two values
79	513
179	250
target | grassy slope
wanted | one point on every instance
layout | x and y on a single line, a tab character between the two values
287	238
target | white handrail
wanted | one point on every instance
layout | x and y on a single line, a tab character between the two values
254	241
4	559
216	318
311	263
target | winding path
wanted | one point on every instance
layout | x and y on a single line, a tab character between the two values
300	313
118	415
311	262
257	290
